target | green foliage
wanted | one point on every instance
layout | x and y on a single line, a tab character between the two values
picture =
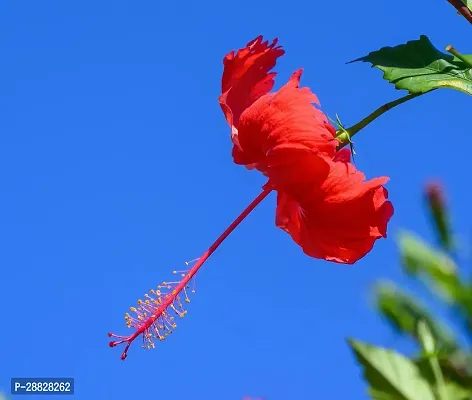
429	347
443	370
403	312
419	67
390	375
434	267
455	371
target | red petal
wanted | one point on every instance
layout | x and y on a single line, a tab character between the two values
246	76
285	119
338	216
343	155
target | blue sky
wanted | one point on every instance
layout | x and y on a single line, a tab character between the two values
116	168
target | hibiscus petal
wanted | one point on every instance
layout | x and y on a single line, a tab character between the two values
343	155
285	119
287	217
246	76
338	216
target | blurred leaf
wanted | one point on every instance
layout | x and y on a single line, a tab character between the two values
466	305
391	376
455	392
419	67
403	312
455	389
434	267
458	368
435	198
428	344
426	338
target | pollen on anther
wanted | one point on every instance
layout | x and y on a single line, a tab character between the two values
152	317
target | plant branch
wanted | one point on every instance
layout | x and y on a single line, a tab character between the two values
454	52
344	135
462	9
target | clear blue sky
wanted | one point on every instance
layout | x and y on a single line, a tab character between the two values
116	168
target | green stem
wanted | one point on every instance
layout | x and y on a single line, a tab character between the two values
344	135
438	377
430	351
454	52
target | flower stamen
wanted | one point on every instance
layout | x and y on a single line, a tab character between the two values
152	317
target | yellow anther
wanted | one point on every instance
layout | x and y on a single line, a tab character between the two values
187	300
133	309
174	326
174	292
161	338
164	283
140	301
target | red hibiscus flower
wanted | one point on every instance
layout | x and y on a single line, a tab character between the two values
323	202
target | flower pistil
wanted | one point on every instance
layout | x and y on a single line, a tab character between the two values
153	317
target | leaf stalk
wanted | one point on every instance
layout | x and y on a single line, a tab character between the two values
454	52
344	135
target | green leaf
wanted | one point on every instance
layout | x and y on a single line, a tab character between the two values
458	368
403	311
391	376
426	338
455	392
434	267
455	389
419	67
